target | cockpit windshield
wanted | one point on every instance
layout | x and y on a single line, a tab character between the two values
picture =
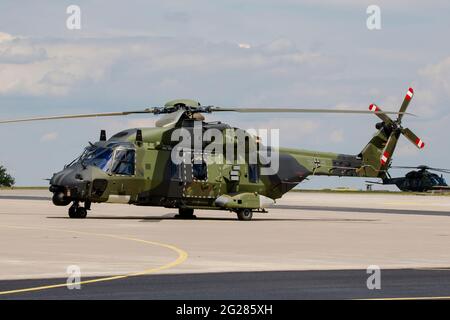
441	181
115	159
98	157
438	181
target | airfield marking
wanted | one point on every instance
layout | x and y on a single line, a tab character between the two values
410	298
182	256
408	203
416	298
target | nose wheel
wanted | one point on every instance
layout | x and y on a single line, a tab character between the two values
77	212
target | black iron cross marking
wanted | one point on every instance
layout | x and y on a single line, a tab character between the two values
317	163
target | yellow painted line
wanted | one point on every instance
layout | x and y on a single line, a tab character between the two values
182	256
408	203
433	269
410	298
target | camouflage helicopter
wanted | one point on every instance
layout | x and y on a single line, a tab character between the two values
420	180
135	166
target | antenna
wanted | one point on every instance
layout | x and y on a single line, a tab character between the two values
102	135
139	135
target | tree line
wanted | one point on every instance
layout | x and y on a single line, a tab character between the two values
6	180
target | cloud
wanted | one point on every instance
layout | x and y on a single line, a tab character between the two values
439	74
50	136
6	37
50	67
12	53
57	67
141	123
406	149
337	136
244	46
177	17
399	4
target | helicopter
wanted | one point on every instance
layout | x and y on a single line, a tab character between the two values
148	167
421	180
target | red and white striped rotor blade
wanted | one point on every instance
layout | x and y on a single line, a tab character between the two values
409	95
388	149
413	138
380	114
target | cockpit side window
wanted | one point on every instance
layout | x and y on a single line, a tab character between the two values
124	162
253	173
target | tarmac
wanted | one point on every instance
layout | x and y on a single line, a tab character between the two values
309	246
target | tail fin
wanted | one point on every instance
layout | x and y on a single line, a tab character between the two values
376	156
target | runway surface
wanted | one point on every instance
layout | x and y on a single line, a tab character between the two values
309	246
276	285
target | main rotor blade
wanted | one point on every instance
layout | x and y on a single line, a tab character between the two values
422	167
405	167
297	110
440	169
206	109
75	116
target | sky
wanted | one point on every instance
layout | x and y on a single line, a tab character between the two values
265	53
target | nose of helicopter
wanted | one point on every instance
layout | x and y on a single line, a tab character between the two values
71	184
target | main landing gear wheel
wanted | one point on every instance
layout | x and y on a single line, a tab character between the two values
244	214
76	212
185	213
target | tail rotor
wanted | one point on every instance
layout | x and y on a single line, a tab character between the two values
393	129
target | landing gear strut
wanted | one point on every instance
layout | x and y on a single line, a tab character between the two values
77	212
185	213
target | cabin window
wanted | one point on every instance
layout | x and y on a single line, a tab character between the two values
199	171
175	171
253	173
124	162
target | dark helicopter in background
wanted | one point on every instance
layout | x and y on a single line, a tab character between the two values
420	180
